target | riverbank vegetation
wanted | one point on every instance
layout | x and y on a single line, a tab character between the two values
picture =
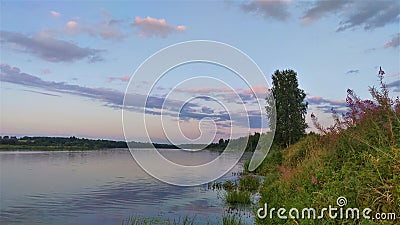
12	143
57	143
358	158
69	143
226	220
237	197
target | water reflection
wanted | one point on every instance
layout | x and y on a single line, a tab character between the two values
95	187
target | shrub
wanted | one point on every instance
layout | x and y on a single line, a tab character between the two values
249	183
229	185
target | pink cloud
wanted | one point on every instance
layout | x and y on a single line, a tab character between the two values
204	90
54	14
123	79
108	28
181	28
316	98
72	24
149	27
320	99
258	90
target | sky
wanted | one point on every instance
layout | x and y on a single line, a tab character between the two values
66	65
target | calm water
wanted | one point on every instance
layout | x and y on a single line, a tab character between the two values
98	187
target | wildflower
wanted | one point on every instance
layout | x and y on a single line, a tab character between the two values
381	72
313	180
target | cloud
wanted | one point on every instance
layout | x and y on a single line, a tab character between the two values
123	79
326	105
371	15
269	9
318	100
395	85
54	14
203	90
323	8
181	28
113	98
260	90
352	71
14	75
106	29
72	24
110	97
149	27
230	96
366	14
50	49
395	42
207	110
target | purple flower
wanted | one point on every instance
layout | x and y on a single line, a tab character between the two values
313	180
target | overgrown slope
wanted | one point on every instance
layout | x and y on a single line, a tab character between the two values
357	158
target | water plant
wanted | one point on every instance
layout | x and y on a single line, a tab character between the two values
229	185
249	183
158	221
231	220
238	197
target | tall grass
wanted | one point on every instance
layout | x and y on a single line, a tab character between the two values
358	157
157	221
238	197
226	220
249	183
231	220
229	185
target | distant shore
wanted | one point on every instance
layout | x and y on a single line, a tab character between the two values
47	148
12	143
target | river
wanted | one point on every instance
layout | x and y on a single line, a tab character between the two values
100	187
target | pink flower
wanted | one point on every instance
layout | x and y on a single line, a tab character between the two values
313	180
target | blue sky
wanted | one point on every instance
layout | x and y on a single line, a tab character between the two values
65	65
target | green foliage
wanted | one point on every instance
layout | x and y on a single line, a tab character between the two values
287	107
57	143
231	220
158	221
249	183
249	143
70	143
229	185
358	157
237	197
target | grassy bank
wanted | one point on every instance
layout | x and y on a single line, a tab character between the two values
357	158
